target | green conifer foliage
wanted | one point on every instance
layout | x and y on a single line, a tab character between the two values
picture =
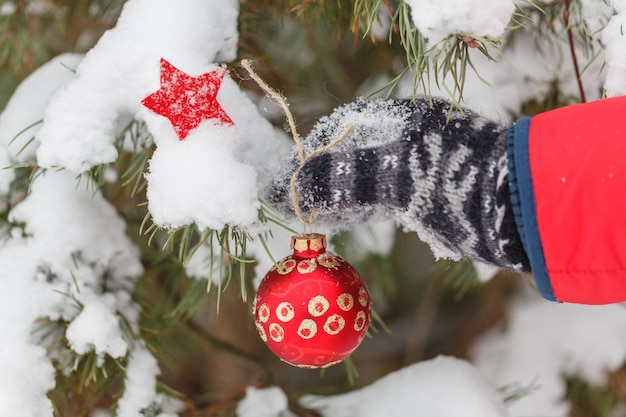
318	54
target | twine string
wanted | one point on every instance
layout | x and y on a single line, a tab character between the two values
294	178
282	102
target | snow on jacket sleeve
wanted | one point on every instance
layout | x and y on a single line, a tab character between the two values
568	188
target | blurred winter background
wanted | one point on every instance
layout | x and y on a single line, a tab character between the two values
103	314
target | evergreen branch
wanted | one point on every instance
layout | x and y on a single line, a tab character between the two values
243	282
553	98
93	379
461	276
207	234
211	257
232	350
267	213
352	373
450	58
331	11
391	85
35	173
185	241
513	392
26	145
414	45
153	231
267	249
592	60
50	333
350	368
23	182
546	21
368	10
134	154
194	297
134	174
96	178
149	231
220	287
378	320
107	10
87	367
453	59
224	281
240	242
523	14
570	41
20	133
30	36
29	164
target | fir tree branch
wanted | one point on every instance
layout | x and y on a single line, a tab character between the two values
570	40
368	11
247	358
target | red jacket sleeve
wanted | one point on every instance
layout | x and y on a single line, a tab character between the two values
568	173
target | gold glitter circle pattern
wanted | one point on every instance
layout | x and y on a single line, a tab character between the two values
307	329
327	260
359	322
307	266
318	305
334	324
261	331
345	302
285	266
363	296
285	311
264	313
277	333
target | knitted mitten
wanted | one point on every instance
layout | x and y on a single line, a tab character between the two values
438	172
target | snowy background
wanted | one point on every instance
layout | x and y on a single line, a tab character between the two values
73	260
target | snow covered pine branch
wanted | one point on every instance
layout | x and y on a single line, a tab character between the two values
73	266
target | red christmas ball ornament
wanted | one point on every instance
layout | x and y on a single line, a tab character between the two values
312	308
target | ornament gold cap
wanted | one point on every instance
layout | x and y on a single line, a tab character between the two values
315	242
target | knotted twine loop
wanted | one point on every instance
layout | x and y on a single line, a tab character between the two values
282	102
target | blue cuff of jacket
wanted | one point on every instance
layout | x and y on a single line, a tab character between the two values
523	202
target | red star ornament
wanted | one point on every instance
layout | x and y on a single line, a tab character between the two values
187	101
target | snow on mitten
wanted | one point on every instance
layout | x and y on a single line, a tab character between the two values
438	172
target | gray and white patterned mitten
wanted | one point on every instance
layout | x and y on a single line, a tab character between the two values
442	174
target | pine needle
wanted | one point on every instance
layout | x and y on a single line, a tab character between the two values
380	322
450	58
267	249
135	173
368	10
194	297
207	234
352	373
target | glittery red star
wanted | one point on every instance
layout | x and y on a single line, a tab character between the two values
187	100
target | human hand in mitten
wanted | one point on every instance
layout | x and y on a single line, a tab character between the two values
438	172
